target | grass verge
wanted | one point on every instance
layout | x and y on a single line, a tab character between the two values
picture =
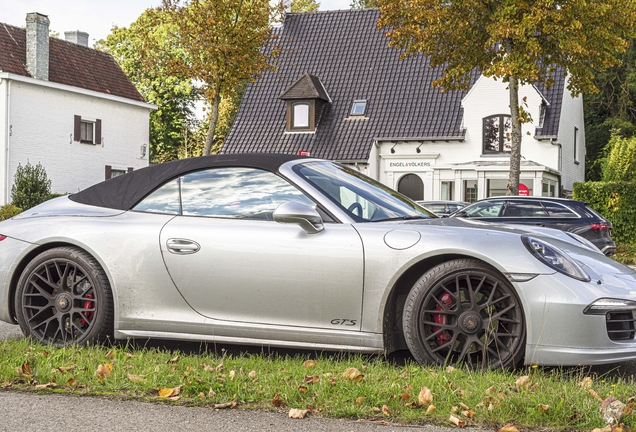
327	386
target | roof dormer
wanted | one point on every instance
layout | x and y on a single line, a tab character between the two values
306	99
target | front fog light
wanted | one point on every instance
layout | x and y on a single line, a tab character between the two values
604	305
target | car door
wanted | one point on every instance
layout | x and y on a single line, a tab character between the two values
231	261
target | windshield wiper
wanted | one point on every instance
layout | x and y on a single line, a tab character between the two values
401	218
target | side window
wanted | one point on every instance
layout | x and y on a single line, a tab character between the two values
484	209
164	200
243	193
524	209
558	210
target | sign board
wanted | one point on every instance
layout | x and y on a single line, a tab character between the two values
303	153
523	190
407	164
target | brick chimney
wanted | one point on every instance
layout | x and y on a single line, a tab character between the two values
37	41
76	36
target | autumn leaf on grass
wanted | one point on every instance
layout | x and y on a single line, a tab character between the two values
543	408
232	375
491	390
303	389
586	382
450	369
225	405
298	413
110	354
353	374
309	363
425	397
312	379
595	395
63	369
165	393
103	370
47	385
508	428
457	422
385	411
430	409
25	370
522	382
467	411
360	399
134	378
277	400
71	382
251	375
173	360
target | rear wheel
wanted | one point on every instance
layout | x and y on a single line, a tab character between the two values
63	298
462	311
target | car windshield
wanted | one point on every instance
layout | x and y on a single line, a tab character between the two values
362	198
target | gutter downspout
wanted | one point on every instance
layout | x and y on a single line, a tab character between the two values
5	150
377	160
560	162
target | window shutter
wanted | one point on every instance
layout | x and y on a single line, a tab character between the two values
98	131
77	128
109	172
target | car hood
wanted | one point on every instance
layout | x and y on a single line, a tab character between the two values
592	260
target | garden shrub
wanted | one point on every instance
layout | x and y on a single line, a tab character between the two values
614	200
31	186
8	211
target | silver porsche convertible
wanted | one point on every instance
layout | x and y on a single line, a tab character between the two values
297	252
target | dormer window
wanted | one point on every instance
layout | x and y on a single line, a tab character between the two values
358	108
542	111
300	115
305	99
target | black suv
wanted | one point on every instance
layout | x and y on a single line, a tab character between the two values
563	214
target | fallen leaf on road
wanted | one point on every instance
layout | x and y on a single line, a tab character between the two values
225	405
457	422
298	413
508	428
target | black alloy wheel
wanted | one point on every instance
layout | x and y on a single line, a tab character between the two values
63	298
463	311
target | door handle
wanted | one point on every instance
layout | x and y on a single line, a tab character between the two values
182	246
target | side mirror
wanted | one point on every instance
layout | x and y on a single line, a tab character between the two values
293	212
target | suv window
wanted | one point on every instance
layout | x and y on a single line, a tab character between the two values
524	209
484	209
559	210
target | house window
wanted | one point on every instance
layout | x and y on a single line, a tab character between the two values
447	190
87	129
358	108
576	145
300	116
542	111
496	187
497	138
470	190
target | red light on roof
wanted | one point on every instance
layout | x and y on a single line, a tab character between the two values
303	153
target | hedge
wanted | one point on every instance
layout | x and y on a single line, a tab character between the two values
614	200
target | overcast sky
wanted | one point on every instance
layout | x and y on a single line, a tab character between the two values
95	17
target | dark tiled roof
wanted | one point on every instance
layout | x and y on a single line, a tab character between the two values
69	64
350	56
554	95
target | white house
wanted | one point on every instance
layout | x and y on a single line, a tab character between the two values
68	107
339	92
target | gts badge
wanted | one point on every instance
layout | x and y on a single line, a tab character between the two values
343	322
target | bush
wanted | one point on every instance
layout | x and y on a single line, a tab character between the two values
614	200
8	211
30	187
620	163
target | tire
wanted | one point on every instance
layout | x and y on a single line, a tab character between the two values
463	311
64	298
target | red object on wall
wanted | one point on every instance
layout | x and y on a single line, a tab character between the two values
523	190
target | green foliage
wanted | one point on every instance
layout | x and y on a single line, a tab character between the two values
31	186
611	111
620	162
150	37
8	211
363	4
304	6
614	200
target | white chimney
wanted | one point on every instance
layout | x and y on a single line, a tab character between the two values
37	38
76	36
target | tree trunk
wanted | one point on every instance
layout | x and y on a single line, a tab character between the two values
214	117
515	151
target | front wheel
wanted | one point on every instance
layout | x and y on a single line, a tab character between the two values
463	311
63	298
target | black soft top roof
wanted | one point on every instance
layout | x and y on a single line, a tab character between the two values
123	192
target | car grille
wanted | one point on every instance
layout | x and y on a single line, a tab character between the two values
620	325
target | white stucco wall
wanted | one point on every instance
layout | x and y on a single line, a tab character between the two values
4	136
42	122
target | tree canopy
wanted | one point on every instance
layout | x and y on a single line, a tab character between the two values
173	94
518	41
220	42
304	5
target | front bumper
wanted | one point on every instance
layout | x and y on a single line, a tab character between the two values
559	333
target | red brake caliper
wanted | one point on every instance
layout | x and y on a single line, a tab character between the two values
444	337
88	305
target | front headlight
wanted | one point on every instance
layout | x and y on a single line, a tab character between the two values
554	258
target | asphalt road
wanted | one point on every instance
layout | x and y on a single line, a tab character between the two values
32	412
